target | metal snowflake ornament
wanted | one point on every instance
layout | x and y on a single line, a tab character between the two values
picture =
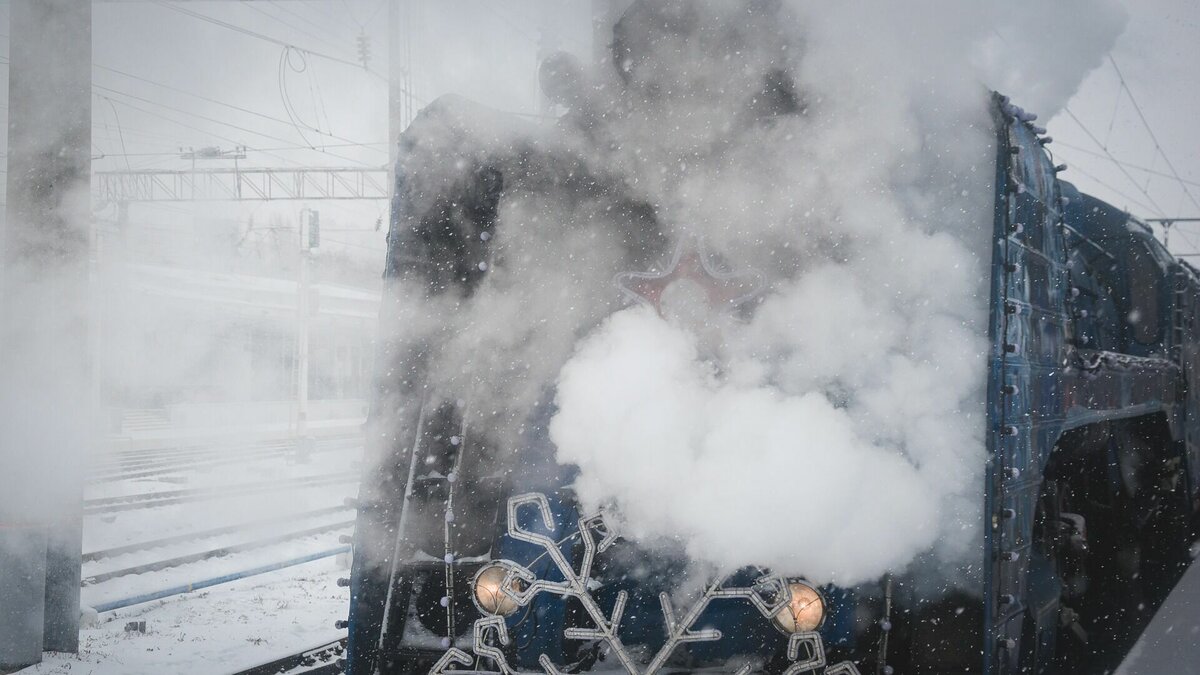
768	595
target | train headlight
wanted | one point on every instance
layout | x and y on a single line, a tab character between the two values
804	612
488	594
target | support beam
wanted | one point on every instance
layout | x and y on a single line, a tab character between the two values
238	184
45	396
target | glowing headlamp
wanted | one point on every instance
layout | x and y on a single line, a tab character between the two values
488	593
805	611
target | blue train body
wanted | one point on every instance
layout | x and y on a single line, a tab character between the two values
1094	463
1093	332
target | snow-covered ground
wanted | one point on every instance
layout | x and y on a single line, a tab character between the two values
222	629
287	507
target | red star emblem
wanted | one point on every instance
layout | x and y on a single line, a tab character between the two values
691	261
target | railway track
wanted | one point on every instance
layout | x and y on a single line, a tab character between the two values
166	497
211	556
203	459
208	534
126	458
123	464
111	605
217	552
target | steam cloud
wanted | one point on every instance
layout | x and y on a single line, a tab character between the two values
844	434
843	150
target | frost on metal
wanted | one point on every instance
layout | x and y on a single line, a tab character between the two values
768	595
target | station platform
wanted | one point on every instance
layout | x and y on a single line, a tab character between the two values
1171	643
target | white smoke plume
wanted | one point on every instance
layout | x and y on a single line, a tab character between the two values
843	435
843	150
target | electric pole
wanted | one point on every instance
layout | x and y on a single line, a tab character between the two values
1167	224
399	83
310	239
46	411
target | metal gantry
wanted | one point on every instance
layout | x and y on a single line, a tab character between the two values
237	184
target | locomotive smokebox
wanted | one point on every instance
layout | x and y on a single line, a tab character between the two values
674	49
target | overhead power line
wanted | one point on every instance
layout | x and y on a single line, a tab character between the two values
102	127
1157	146
324	27
289	24
120	132
261	36
218	121
362	25
185	125
341	18
231	106
1102	147
1132	200
1128	165
1114	160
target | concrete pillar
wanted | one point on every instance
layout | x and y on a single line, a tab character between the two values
46	408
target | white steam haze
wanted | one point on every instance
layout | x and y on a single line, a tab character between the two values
843	434
837	430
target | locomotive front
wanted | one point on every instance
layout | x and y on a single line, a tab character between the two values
511	247
672	386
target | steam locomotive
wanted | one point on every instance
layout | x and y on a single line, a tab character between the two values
466	561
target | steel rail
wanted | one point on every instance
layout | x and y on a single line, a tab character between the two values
123	463
160	494
207	534
168	450
199	456
210	461
214	581
120	464
165	497
214	553
119	461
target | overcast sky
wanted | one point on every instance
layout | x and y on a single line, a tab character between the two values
160	72
1159	57
166	79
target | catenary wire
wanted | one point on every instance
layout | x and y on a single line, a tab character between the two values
1153	137
246	31
222	103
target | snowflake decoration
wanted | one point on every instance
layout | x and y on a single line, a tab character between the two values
768	595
